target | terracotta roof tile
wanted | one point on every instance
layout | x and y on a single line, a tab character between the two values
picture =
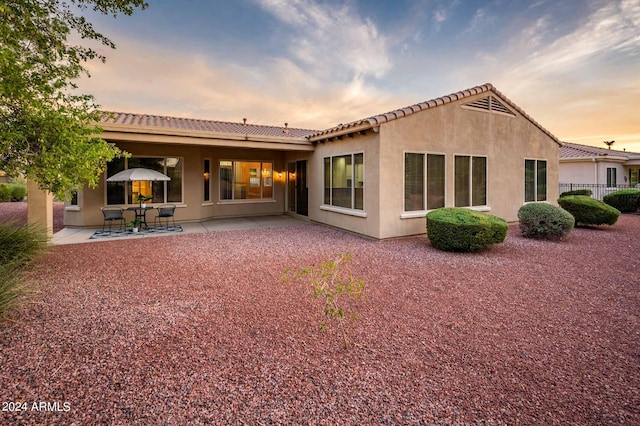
433	103
574	150
201	125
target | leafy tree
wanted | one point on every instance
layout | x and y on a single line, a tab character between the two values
47	131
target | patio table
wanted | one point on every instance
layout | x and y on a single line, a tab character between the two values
141	213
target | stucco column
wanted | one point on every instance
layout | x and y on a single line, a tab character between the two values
39	207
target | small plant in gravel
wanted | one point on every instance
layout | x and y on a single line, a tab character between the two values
625	200
589	211
460	229
544	221
333	289
20	246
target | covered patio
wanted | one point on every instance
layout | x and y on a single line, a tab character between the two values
70	235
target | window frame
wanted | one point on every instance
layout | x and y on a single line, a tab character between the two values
164	183
612	177
535	180
410	214
207	177
479	207
353	211
233	200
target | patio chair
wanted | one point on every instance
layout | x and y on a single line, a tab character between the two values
166	213
112	214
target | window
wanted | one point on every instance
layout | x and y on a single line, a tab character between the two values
246	180
634	175
470	181
611	177
414	181
535	180
73	201
344	181
161	192
206	176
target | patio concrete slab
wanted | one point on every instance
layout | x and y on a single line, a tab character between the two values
83	235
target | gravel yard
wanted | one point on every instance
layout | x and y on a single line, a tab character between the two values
17	212
198	329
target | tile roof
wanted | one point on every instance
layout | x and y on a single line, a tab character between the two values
574	150
147	120
376	120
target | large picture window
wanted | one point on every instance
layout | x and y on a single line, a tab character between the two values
535	180
415	172
470	181
161	192
246	180
344	181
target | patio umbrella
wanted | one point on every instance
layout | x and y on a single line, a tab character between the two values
138	174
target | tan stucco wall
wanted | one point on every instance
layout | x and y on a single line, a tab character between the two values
39	207
369	144
579	171
193	207
449	129
452	130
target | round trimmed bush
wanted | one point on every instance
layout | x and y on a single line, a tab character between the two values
18	192
545	221
625	200
459	229
5	193
586	192
589	211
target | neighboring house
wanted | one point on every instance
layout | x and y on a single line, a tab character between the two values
378	176
601	170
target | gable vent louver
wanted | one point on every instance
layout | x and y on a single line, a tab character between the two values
490	104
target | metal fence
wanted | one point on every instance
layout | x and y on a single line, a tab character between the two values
597	191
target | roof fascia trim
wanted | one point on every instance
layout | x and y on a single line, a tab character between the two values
198	134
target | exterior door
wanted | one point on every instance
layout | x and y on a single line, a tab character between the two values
302	190
297	189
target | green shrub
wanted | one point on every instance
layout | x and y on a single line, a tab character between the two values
543	220
586	192
5	193
589	211
625	200
19	247
18	192
459	229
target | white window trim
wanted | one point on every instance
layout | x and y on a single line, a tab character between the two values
345	210
535	180
246	200
420	213
615	169
484	207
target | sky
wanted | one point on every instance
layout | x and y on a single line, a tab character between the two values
573	65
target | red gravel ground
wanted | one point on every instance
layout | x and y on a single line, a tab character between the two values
17	212
198	329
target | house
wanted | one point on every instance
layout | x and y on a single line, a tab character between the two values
599	169
378	176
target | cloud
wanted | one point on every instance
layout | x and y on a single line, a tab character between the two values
331	41
612	28
270	91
